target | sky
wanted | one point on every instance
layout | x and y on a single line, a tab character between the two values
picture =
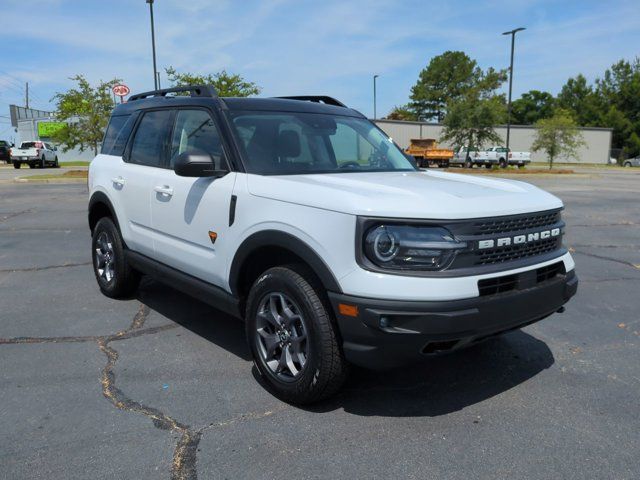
298	47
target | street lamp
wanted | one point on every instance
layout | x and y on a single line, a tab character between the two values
513	39
374	96
153	46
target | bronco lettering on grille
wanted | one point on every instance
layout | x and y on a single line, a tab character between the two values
518	239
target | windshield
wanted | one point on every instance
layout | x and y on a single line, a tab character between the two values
281	143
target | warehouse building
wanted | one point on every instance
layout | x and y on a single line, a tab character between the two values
597	146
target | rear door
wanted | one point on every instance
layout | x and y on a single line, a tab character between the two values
188	212
145	155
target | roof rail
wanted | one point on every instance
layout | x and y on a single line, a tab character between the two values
196	91
317	99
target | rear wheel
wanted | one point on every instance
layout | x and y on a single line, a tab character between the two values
627	164
488	165
43	162
32	165
503	163
468	163
521	165
115	276
16	165
292	336
55	163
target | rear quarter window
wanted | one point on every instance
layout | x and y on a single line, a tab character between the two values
117	135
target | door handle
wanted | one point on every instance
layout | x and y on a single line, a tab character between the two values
164	190
118	180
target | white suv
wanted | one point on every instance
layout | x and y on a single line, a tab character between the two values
303	218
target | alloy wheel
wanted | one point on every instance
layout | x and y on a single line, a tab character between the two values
281	336
105	257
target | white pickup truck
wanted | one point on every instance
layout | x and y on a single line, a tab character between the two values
35	154
492	156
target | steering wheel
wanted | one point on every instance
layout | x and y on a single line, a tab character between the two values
350	164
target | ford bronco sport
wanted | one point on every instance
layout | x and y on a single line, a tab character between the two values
303	218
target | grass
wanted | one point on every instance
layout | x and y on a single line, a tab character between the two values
514	171
75	163
54	176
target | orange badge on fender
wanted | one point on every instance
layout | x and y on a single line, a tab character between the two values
213	236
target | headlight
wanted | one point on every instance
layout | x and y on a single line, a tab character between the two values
404	247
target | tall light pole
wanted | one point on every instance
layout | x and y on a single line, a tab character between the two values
374	96
513	40
153	46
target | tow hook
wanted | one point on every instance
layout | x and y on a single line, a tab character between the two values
560	310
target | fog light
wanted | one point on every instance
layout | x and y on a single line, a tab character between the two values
384	322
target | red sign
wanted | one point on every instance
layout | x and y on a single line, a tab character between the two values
121	90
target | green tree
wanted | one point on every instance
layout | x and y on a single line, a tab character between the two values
402	112
470	121
446	79
581	101
226	84
531	107
558	136
86	110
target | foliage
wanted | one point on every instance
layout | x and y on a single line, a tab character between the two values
470	121
402	112
531	107
558	136
448	78
226	84
86	110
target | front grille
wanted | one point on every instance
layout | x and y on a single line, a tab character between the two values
516	223
515	252
507	283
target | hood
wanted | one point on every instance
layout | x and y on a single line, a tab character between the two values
431	194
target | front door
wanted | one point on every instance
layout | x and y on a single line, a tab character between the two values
190	216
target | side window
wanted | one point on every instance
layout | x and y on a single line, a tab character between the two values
115	125
148	147
195	131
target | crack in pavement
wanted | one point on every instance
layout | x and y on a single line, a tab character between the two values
48	267
184	461
602	257
7	216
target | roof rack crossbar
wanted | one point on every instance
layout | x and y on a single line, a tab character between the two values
318	99
196	91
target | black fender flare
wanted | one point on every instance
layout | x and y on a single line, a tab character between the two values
101	197
277	238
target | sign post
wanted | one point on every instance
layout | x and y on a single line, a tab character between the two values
121	91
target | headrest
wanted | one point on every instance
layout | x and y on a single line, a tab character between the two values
288	144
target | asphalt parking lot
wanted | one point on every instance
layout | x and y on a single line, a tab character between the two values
161	386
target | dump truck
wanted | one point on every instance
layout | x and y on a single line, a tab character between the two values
427	153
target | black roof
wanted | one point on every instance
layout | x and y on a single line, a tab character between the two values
233	103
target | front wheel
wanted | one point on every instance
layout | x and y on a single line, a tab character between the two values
627	164
292	336
503	163
468	163
487	165
43	162
55	163
16	165
115	276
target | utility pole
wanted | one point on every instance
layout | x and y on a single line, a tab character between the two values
513	40
374	97
153	46
26	95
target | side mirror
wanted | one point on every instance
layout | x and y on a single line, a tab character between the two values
196	164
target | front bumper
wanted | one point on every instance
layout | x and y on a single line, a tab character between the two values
390	333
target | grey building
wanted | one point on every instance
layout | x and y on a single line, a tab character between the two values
596	149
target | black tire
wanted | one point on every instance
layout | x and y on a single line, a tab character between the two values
325	369
124	279
16	165
468	163
503	163
55	163
43	162
488	165
521	165
32	165
627	164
